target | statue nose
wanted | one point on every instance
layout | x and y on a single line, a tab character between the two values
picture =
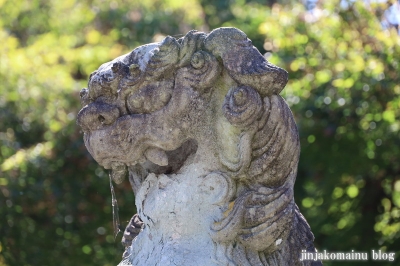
97	115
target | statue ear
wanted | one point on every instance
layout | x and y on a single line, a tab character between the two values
243	61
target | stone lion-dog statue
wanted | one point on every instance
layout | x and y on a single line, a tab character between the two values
210	147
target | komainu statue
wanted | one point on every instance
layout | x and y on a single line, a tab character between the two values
210	148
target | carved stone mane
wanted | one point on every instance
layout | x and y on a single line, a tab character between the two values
210	147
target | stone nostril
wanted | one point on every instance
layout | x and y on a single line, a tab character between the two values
101	119
97	115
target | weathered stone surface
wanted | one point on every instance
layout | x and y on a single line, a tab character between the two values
210	147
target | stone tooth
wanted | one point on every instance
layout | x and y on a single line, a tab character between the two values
157	156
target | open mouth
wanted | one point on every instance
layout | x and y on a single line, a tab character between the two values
174	160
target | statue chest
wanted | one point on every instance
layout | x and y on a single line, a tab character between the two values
178	212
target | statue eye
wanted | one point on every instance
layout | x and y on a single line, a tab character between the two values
135	103
150	98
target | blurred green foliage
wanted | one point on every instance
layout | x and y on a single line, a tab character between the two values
344	90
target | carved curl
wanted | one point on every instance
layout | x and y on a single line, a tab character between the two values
242	106
202	71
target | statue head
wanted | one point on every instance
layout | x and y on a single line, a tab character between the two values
205	105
